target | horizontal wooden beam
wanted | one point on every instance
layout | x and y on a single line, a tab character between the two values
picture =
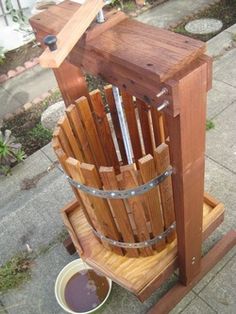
71	33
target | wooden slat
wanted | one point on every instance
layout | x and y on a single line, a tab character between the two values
136	205
71	33
143	110
148	172
142	275
58	132
80	133
115	120
132	124
103	129
110	183
91	131
73	167
101	207
65	125
158	126
162	160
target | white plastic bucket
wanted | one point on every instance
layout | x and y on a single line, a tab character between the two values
64	276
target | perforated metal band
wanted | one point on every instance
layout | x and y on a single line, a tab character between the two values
137	245
117	194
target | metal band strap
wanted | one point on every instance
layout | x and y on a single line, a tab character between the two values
117	194
138	245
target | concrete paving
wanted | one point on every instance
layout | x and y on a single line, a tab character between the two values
171	12
25	87
32	216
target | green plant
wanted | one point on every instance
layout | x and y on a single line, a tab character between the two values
15	272
40	133
10	152
210	125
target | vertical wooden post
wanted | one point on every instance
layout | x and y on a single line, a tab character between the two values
71	82
187	146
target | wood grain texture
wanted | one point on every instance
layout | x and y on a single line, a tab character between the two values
187	146
80	134
71	82
137	206
115	120
109	181
132	124
101	206
91	131
143	110
103	129
175	294
71	33
140	275
117	53
162	161
148	172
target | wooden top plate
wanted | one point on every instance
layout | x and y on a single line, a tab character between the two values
149	51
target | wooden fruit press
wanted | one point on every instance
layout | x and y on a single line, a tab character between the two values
134	151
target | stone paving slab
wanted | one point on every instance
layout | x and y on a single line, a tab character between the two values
11	194
8	102
219	44
198	306
37	295
225	68
220	97
222	137
220	293
38	221
220	183
172	12
25	87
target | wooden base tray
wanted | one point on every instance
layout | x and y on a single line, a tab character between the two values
140	275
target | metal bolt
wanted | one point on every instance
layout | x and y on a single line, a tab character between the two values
163	105
133	193
164	91
113	194
193	260
100	17
51	42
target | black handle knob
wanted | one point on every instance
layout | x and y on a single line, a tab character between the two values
50	41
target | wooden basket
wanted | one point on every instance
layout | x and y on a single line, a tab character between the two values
89	145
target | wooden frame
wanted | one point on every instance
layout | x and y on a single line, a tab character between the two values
115	50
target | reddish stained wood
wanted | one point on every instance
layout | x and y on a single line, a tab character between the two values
132	124
148	172
187	146
103	128
162	160
115	120
143	110
118	206
65	125
175	294
80	133
86	117
71	82
136	204
59	133
101	208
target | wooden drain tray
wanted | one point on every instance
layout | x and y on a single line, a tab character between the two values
140	275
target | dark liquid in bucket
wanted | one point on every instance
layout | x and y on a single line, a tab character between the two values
85	291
